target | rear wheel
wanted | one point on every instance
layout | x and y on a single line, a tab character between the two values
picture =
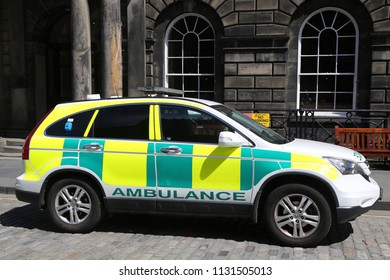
298	215
74	205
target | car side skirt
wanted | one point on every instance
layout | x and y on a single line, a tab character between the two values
115	205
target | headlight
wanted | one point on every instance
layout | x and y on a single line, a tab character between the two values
346	167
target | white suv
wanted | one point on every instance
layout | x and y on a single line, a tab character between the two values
177	155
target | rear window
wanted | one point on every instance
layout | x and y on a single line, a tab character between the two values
122	122
71	126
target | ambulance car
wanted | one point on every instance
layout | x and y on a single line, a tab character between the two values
167	155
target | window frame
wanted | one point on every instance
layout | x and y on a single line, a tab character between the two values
335	74
199	74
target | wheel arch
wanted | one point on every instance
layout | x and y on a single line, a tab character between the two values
69	174
310	180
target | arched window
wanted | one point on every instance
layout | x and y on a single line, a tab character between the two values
190	54
327	67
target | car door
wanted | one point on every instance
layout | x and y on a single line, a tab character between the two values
119	151
194	173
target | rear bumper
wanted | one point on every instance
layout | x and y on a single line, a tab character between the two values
28	191
29	197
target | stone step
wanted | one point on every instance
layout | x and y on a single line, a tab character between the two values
14	142
11	147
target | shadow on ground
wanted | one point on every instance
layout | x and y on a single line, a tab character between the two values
29	217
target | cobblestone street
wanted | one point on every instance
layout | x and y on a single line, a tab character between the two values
26	233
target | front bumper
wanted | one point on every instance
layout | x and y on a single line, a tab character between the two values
356	196
346	214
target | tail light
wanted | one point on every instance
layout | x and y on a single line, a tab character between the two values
26	146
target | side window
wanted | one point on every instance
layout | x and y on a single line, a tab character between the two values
188	125
71	126
122	122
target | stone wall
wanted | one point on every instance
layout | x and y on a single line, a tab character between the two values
259	49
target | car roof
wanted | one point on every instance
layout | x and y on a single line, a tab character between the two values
128	100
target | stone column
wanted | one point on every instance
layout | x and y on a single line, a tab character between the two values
112	48
81	50
136	46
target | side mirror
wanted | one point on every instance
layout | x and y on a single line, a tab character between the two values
230	139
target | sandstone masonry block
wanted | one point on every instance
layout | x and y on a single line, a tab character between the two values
231	69
255	69
378	68
157	4
278	95
245	5
226	8
267	4
270	57
382	26
216	3
263	95
282	18
239	82
231	19
381	55
372	5
287	7
230	95
379	82
270	82
381	14
151	12
279	69
256	17
240	57
377	96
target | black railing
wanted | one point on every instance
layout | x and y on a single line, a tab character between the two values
319	125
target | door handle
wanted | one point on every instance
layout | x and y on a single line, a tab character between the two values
171	150
93	147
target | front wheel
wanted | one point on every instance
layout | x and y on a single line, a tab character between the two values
297	215
74	206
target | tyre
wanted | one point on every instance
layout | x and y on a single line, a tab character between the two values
74	206
297	215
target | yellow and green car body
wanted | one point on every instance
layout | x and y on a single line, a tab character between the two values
157	173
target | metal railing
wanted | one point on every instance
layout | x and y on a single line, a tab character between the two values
319	125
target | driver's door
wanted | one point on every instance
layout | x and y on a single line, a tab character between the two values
194	173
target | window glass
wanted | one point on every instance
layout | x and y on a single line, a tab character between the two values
71	126
122	122
260	130
187	125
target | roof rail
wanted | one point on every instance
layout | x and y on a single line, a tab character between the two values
161	91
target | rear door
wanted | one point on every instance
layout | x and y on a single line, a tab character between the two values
118	149
194	174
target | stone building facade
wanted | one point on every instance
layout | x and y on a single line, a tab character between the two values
259	55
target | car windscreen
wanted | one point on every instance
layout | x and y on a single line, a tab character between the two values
260	130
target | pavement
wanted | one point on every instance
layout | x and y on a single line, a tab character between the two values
10	168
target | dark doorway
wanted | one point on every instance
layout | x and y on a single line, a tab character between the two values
59	62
